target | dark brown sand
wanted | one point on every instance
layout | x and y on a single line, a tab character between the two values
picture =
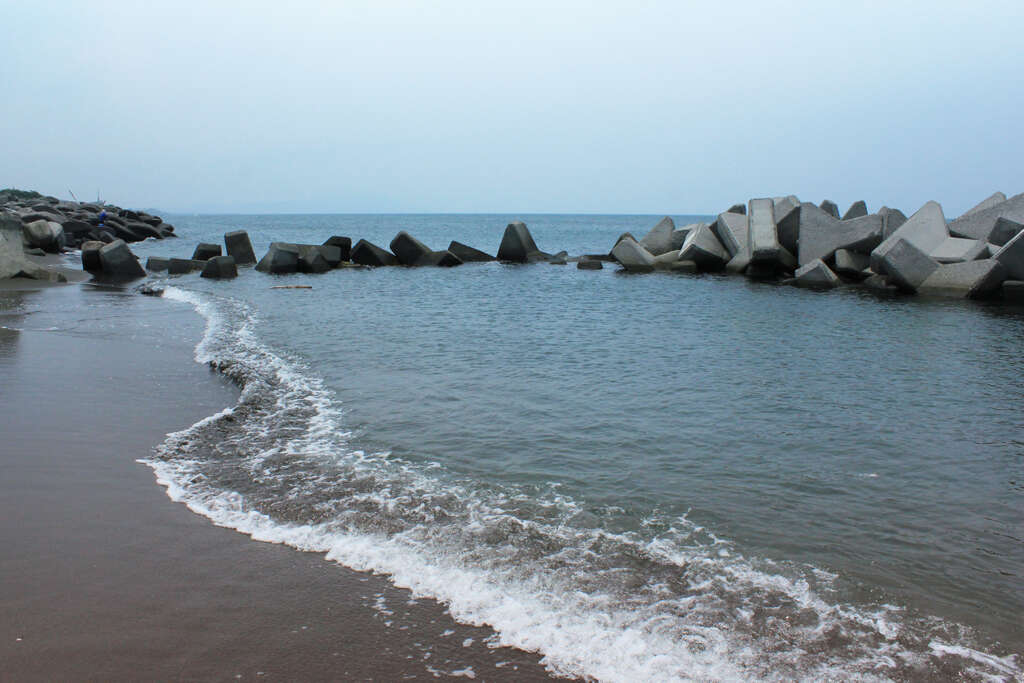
102	577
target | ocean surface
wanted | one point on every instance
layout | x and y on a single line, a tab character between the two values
654	477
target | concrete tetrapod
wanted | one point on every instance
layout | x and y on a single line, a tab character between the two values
703	248
816	275
468	254
766	253
967	279
238	247
119	263
369	254
980	224
1011	255
205	251
633	257
856	210
821	234
220	268
658	240
408	250
517	245
926	230
732	230
907	266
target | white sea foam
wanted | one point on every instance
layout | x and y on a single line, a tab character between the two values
681	604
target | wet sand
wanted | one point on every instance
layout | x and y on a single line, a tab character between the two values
104	578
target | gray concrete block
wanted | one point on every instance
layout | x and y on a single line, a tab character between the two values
468	254
966	279
367	253
632	256
181	266
704	249
787	221
738	208
205	251
281	258
821	234
852	264
856	210
1011	255
958	249
1004	231
892	219
344	244
91	256
732	230
816	275
589	264
992	200
220	268
157	264
683	267
238	247
907	266
658	240
679	234
830	207
408	250
665	261
119	262
980	224
738	263
925	230
517	244
763	238
444	259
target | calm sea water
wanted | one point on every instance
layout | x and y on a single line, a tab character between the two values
652	477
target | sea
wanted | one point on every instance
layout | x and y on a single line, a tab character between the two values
660	477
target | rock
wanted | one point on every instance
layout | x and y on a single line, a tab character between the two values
238	247
49	216
369	254
1011	255
281	258
658	240
852	264
703	248
966	279
907	266
105	236
123	232
633	257
343	243
468	254
183	266
992	200
816	275
91	256
980	224
75	226
119	263
158	264
446	259
787	222
1004	231
311	259
13	262
205	251
821	234
957	249
589	264
45	235
926	230
1013	290
892	219
517	245
856	210
732	231
150	290
144	230
407	249
220	268
766	253
738	208
830	207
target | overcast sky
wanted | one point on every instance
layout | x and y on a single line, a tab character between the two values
475	106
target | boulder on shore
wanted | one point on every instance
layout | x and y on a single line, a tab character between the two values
91	256
239	247
220	268
45	235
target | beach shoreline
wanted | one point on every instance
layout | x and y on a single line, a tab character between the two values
107	578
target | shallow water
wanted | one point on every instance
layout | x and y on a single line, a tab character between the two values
642	477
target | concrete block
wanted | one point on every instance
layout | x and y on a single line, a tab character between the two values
787	221
91	256
821	234
1011	255
907	266
633	257
344	244
704	249
182	266
665	261
958	249
925	230
468	254
980	224
732	230
1013	290
816	275
852	264
517	245
679	235
992	200
119	262
311	259
281	258
856	210
238	247
589	264
659	239
892	219
205	251
966	279
763	237
830	207
1004	231
738	263
369	254
738	208
157	264
408	250
441	259
220	268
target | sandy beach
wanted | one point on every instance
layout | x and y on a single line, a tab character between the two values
104	578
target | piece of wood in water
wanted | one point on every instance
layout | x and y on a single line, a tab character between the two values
292	287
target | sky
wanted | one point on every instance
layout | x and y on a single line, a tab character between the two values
504	107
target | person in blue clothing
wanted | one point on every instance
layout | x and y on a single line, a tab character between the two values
103	217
